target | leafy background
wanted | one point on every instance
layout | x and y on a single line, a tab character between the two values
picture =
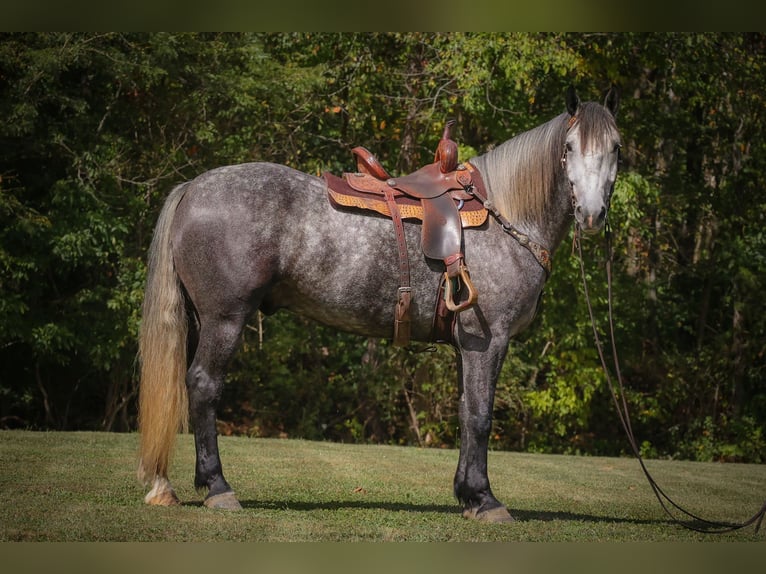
98	127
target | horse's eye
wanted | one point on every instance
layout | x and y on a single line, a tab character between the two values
617	148
568	146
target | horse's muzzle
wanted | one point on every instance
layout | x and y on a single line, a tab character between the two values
590	222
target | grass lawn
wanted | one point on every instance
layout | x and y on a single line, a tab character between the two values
82	487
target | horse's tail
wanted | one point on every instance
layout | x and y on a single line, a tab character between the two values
163	405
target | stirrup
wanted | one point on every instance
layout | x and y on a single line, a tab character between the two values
449	295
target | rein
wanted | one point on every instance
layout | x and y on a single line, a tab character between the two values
708	526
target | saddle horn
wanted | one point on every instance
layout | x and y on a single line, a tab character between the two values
446	151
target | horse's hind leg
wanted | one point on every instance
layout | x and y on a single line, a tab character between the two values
162	493
218	341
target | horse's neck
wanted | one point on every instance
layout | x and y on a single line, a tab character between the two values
550	228
558	219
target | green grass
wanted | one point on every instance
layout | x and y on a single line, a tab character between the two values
82	487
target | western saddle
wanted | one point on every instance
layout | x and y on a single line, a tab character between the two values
446	197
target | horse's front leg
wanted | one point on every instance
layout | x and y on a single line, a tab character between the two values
477	375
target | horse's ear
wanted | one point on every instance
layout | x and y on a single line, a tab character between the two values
612	101
573	101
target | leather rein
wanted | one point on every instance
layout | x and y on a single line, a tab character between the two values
542	255
705	526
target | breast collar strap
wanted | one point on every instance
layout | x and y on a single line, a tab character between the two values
478	190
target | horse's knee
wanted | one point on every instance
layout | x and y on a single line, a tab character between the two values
480	425
477	425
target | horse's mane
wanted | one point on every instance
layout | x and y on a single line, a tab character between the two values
597	126
521	173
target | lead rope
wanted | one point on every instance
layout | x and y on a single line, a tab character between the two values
710	527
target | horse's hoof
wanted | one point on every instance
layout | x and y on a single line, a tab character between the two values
162	494
224	501
496	515
166	498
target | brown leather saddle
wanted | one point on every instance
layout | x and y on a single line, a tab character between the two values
439	195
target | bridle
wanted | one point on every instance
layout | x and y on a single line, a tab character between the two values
570	124
620	403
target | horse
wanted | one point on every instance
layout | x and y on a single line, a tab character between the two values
263	236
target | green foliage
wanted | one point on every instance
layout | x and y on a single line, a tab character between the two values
297	378
98	127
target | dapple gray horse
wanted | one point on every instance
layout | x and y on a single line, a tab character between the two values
263	236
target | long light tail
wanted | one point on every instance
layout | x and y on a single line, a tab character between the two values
163	405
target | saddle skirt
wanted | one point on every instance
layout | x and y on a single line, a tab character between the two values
364	192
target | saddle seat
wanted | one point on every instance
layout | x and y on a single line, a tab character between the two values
363	191
438	196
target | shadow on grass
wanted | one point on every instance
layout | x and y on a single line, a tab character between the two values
519	515
531	515
348	504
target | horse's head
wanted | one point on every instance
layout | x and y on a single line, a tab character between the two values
590	158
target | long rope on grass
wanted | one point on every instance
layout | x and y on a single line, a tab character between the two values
703	525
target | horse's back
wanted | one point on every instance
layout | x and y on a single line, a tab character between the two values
238	189
265	235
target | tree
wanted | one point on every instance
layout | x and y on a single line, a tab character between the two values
99	127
